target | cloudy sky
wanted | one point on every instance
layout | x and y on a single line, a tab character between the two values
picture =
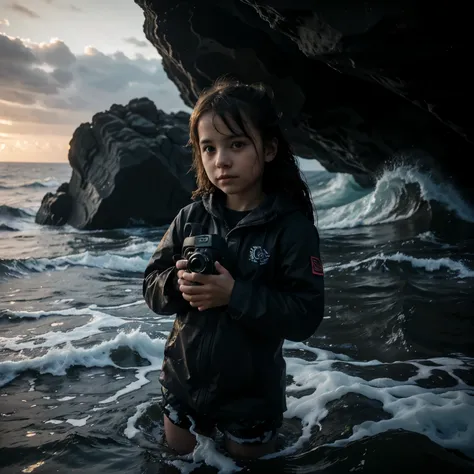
61	62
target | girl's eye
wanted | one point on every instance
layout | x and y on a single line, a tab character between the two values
208	149
238	145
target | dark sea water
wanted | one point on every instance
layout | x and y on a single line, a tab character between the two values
385	385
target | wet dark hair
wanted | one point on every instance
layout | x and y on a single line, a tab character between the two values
234	102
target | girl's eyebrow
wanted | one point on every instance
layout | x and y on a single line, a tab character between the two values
206	141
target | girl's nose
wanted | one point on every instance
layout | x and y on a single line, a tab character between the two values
222	159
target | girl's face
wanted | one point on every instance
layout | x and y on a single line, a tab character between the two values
232	163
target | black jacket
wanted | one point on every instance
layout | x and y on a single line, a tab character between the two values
228	361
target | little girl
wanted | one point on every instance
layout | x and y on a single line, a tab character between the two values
223	365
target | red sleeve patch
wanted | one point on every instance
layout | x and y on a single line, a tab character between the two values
316	266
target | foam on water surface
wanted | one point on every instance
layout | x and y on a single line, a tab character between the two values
434	398
390	201
440	413
460	269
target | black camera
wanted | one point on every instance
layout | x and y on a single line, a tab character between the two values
202	251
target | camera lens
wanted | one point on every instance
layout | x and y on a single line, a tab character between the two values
197	263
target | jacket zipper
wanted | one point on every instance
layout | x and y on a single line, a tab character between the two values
211	350
208	342
205	352
209	345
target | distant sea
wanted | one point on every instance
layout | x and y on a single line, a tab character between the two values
386	385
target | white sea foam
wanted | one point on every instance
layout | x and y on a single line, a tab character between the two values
78	422
130	430
65	399
384	203
339	190
54	422
439	413
427	264
134	258
125	305
97	321
57	361
106	260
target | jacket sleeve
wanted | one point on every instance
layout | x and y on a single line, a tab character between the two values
293	307
160	284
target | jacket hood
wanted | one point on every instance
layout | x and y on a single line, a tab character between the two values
272	206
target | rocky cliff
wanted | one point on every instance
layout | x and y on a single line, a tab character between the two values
360	83
130	165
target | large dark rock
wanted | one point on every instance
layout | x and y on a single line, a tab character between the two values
130	166
360	83
55	208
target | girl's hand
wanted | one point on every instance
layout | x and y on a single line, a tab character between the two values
181	265
212	290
